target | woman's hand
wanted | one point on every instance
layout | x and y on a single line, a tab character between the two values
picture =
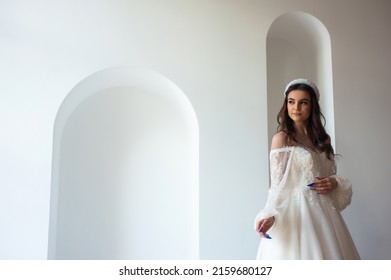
324	185
264	225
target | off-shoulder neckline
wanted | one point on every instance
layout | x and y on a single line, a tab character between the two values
289	148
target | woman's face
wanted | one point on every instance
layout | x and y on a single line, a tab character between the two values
299	105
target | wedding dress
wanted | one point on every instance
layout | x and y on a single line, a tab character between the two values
307	225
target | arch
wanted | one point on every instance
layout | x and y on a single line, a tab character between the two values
298	45
125	170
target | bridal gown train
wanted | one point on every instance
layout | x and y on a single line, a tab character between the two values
307	225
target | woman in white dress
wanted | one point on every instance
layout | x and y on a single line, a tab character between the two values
301	219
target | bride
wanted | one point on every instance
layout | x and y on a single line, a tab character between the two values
301	219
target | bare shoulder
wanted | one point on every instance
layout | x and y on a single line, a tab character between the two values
279	140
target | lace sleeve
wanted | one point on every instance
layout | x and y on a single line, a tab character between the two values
342	195
279	168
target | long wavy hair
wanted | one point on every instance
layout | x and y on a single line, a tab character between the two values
315	125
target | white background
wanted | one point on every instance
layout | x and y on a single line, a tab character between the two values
215	52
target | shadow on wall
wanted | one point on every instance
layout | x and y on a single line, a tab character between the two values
298	46
125	170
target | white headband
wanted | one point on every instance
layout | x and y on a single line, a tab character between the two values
303	81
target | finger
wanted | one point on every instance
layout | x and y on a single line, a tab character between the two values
324	190
316	183
262	225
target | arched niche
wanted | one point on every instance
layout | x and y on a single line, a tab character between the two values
298	46
125	170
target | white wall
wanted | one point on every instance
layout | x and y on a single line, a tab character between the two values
125	170
298	45
215	51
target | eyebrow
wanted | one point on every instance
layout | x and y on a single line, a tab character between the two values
304	99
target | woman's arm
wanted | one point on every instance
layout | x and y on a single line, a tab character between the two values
279	160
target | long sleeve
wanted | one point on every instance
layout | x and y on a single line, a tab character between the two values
342	195
280	160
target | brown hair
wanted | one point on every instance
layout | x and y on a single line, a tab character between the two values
315	127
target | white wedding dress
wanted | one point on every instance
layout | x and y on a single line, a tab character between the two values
307	225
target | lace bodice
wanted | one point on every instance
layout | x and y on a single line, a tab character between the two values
291	170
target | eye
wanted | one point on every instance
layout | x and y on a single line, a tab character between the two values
304	102
291	102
